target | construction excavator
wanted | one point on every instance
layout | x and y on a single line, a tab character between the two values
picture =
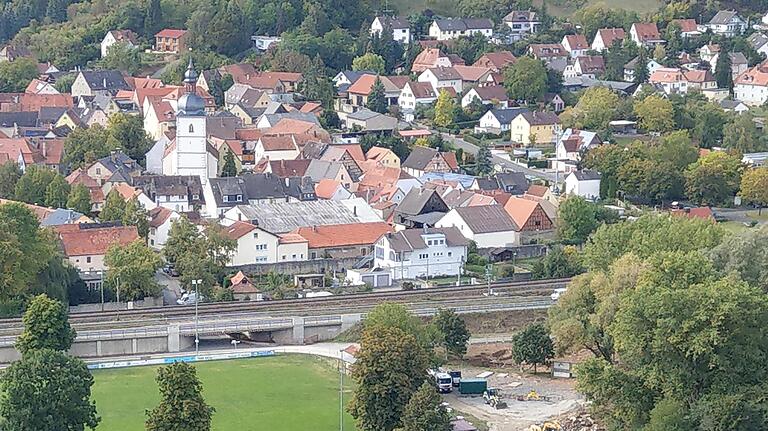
546	426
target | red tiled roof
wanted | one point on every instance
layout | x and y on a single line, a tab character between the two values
646	31
520	209
239	229
326	188
354	150
13	147
82	242
496	60
471	73
686	25
158	216
289	168
577	41
277	143
609	35
291	238
40	212
172	33
537	190
342	235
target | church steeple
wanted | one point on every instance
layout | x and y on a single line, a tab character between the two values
191	103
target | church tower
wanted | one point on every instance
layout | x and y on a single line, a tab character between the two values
191	153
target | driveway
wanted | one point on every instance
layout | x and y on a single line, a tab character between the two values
171	287
504	163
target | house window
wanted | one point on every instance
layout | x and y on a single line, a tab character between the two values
313	255
255	234
450	253
195	197
88	259
293	256
151	242
283	257
191	128
98	171
363	251
423	256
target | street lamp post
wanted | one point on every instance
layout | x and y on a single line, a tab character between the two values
197	283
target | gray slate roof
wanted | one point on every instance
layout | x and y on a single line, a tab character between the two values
411	239
464	24
587	175
110	80
487	219
413	203
60	216
723	17
281	217
757	40
419	157
505	116
320	169
21	119
394	22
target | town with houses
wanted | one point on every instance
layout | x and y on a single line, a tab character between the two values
413	152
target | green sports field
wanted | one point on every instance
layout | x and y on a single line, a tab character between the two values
279	393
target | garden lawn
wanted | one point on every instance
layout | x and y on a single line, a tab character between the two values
280	393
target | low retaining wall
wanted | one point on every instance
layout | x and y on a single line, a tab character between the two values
316	266
115	306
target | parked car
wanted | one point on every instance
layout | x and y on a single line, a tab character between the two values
189	298
556	294
170	270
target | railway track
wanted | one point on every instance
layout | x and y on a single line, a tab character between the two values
339	304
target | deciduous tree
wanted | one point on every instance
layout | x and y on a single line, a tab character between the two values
533	346
741	135
390	368
32	186
578	219
46	326
369	62
444	109
526	79
182	406
425	412
57	192
655	114
79	199
595	109
114	207
754	186
134	214
714	179
10	173
452	331
47	390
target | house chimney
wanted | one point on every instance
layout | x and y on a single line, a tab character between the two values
44	148
239	217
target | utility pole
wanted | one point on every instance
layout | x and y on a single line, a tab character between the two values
341	390
197	283
117	287
488	273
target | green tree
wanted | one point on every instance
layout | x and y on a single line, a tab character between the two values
134	214
390	368
223	33
377	100
744	254
425	412
114	207
182	239
578	219
709	121
655	114
64	83
649	235
595	109
196	255
132	271
484	164
533	346
742	135
558	263
182	406
714	179
641	68
754	186
57	192
16	75
454	335
85	145
47	390
32	186
153	18
723	74
444	109
123	57
46	326
79	199
127	133
369	62
10	173
230	167
25	251
526	79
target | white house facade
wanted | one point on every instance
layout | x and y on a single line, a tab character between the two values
414	253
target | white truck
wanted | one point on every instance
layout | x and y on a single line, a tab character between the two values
443	382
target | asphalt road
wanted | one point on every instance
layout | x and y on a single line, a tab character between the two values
171	287
506	164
